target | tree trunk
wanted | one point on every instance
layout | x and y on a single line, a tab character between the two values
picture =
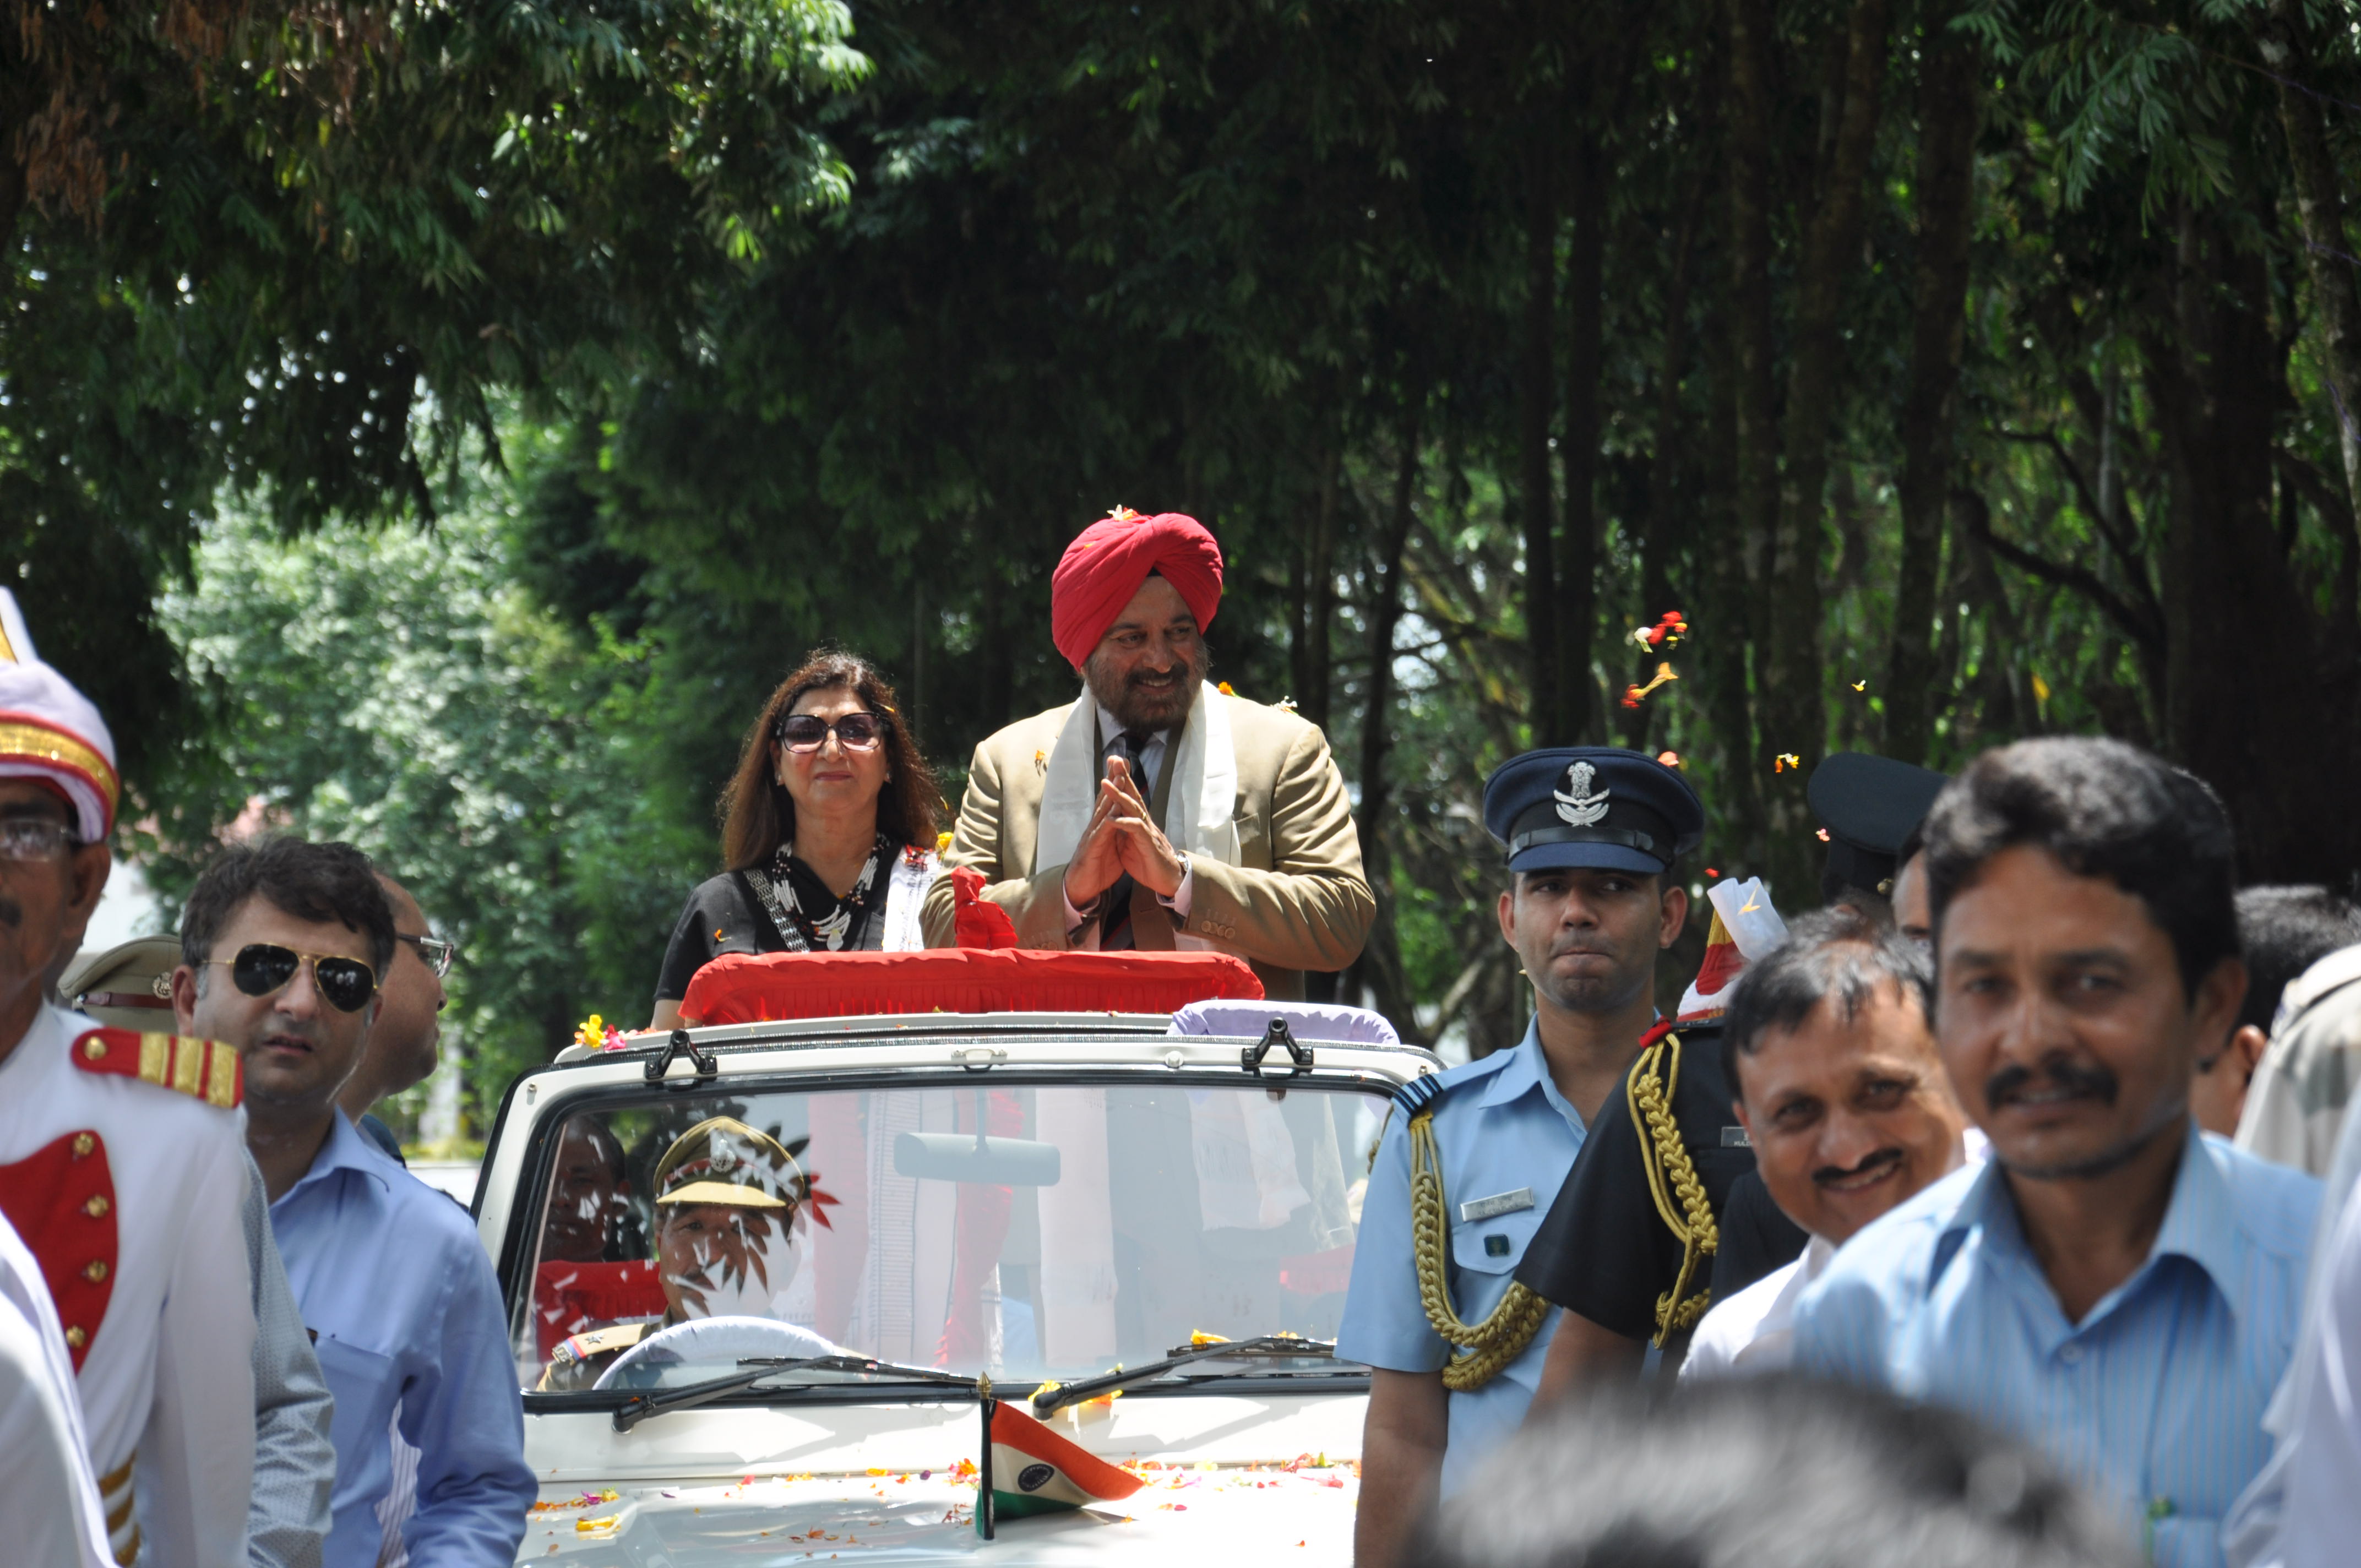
1314	595
1794	709
1379	968
2320	204
1656	546
1580	606
1541	549
1754	432
1946	193
1719	638
2247	705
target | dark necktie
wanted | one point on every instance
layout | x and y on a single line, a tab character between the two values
1115	918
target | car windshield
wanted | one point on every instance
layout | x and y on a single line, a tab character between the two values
1027	1231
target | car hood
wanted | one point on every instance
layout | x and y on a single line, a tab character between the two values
1242	1479
1191	1517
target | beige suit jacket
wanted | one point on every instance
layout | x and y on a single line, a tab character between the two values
1297	900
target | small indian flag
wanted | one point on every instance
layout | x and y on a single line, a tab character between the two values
1035	1471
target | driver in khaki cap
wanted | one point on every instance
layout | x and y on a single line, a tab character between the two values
727	1201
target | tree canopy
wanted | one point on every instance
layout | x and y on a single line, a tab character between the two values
1961	370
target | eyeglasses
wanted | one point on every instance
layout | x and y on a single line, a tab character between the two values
433	951
809	731
35	839
263	968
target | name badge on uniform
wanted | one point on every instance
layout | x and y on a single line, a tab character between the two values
1499	1203
1736	1138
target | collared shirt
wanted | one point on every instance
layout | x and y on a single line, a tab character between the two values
294	1461
1754	1330
1144	772
2324	1466
1502	1131
2154	1399
390	1274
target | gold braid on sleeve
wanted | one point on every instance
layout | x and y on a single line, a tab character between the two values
1500	1338
1671	1176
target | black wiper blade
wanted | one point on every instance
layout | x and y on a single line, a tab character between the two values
1285	1346
657	1401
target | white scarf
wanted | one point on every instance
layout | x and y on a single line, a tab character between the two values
1205	770
905	894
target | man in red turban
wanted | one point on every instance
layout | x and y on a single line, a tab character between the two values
1155	812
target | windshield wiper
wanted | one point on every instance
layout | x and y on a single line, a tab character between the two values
656	1402
1284	1346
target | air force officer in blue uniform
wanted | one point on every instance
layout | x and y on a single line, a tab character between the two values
1591	834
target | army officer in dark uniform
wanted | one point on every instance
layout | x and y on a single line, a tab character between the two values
1471	1157
1633	1248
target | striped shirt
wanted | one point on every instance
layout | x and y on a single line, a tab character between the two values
2154	1399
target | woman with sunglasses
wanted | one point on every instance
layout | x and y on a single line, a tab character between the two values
827	831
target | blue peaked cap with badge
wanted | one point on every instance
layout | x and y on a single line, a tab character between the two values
1602	807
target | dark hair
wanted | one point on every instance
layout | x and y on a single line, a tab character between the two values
324	884
1777	1471
2104	809
758	815
2285	931
1838	954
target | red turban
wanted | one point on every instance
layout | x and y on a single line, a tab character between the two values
1107	562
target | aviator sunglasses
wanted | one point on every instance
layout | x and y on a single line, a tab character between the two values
263	968
808	732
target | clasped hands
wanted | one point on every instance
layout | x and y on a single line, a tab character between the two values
1122	837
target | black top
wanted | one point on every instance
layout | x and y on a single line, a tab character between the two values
1603	1251
1757	1238
726	915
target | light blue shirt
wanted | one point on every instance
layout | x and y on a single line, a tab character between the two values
1502	1128
2155	1400
390	1275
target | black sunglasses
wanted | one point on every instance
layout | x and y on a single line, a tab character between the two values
263	968
808	732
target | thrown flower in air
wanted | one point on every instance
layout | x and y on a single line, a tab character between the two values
1634	695
1669	628
1669	759
1784	761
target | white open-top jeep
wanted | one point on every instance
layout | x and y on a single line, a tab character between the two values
1140	1236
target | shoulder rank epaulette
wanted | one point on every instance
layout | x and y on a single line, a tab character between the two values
204	1069
1419	1093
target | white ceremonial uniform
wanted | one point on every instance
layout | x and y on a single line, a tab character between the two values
47	1495
167	1375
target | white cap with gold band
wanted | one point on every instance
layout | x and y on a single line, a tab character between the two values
51	731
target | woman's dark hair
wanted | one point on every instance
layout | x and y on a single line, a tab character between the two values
2104	809
758	815
324	884
1838	955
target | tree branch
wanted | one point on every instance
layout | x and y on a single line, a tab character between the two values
2081	579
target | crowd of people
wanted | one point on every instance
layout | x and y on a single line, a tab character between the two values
1996	1211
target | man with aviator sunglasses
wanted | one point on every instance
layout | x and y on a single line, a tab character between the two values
282	943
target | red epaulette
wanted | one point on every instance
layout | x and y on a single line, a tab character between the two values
204	1069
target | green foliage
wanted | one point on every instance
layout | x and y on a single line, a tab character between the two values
401	690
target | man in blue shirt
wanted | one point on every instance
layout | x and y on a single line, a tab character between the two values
2113	1284
1591	833
282	945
